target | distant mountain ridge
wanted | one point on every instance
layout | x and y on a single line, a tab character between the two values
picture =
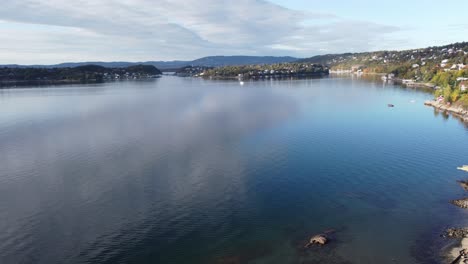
211	61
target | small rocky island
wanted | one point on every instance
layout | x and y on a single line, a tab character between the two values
281	70
81	74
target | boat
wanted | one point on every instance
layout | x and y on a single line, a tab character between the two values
390	105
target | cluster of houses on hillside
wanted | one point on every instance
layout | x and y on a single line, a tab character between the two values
127	76
195	71
269	71
300	70
448	57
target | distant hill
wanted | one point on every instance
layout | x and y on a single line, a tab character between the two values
211	61
454	54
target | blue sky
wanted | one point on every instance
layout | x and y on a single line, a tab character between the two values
53	31
422	23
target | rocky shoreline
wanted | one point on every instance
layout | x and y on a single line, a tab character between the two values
459	253
454	110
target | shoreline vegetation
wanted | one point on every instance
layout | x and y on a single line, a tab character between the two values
443	69
75	75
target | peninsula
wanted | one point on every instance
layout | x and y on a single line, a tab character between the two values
280	70
80	74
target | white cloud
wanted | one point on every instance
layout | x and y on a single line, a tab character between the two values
58	30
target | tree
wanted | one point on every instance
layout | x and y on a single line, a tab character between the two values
447	92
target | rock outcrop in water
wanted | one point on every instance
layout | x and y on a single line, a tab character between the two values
464	185
457	111
456	233
317	239
462	257
462	203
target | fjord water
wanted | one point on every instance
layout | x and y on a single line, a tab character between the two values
182	170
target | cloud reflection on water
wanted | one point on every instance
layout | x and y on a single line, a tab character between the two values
94	181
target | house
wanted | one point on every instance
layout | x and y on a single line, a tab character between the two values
464	86
443	63
415	66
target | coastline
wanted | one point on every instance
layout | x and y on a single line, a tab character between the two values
454	110
455	251
399	81
415	84
39	83
266	76
12	84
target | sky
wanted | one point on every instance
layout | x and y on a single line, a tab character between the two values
54	31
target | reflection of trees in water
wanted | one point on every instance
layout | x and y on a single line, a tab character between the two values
446	116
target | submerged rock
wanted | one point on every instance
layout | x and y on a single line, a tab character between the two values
456	233
464	185
463	203
317	239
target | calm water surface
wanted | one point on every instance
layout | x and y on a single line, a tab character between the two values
191	171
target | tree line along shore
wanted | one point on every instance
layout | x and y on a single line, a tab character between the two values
443	68
80	74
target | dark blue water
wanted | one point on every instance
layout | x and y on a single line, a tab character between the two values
192	171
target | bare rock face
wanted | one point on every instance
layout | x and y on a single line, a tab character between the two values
464	185
456	233
462	203
317	239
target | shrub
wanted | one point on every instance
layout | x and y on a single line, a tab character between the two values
447	92
455	95
464	101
